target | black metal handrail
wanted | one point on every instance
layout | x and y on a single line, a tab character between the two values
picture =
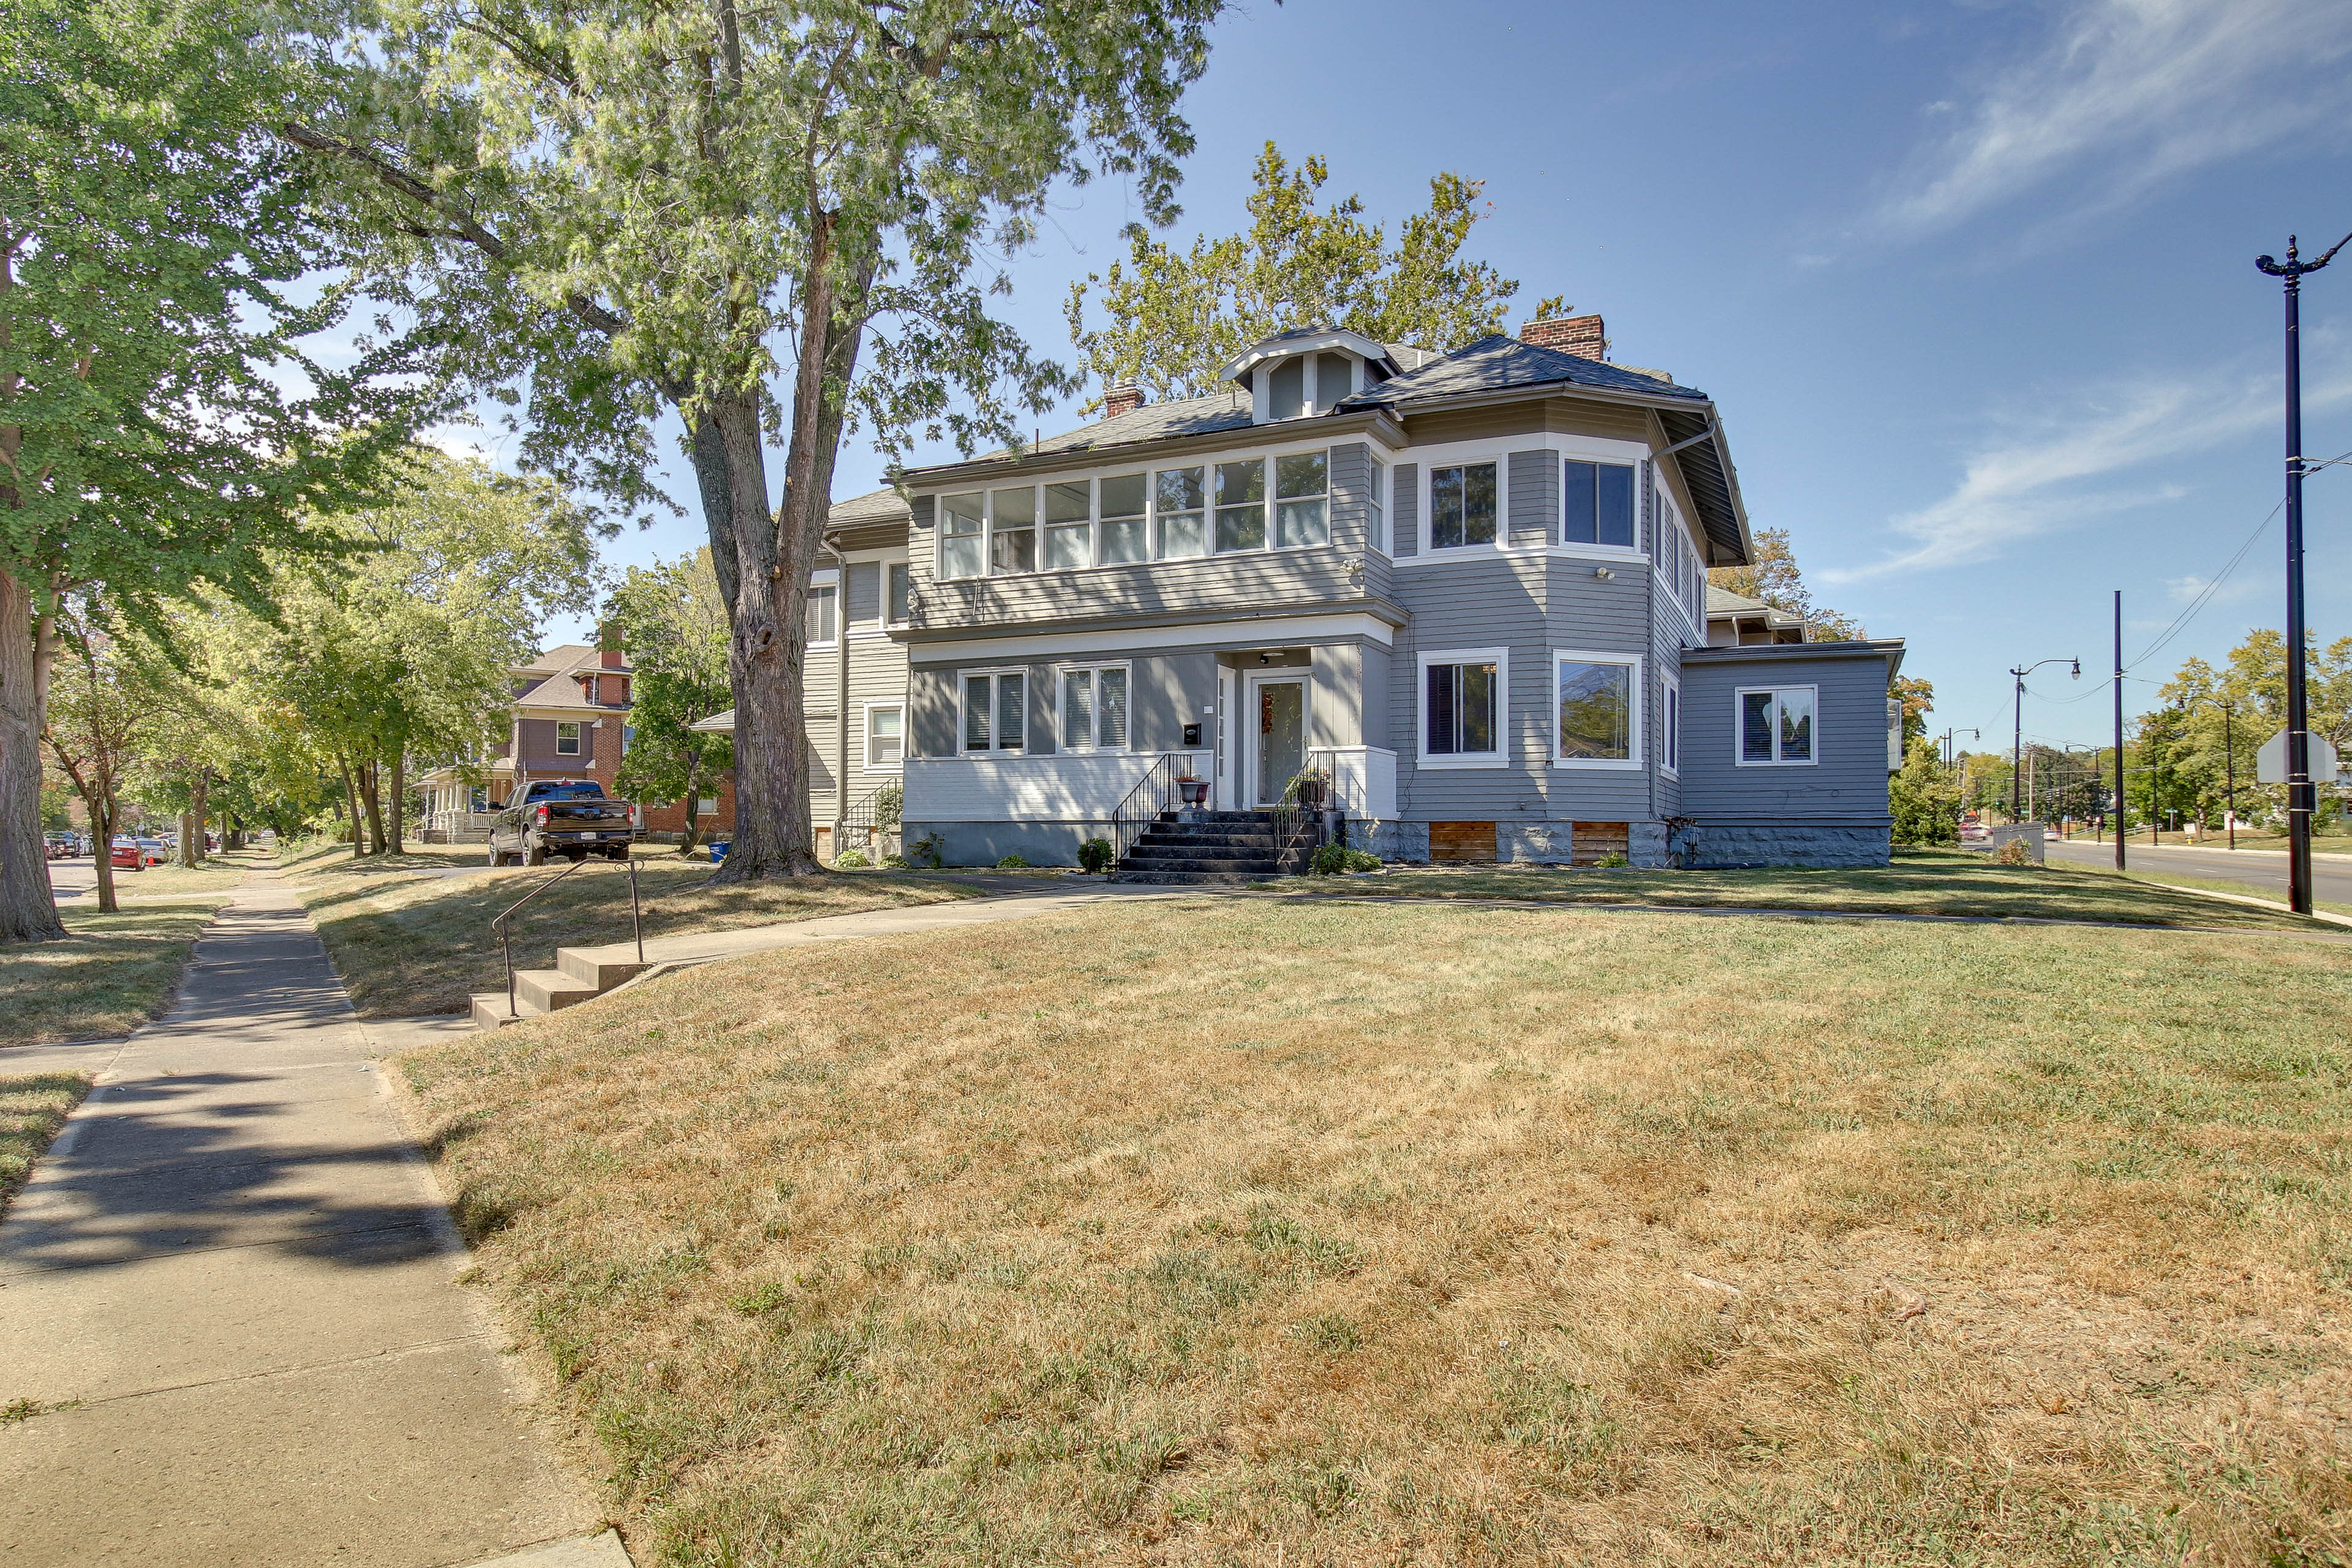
864	818
1297	834
506	944
1153	793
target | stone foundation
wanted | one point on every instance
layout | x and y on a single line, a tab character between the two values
1532	843
1718	846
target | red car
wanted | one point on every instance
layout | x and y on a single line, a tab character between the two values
128	856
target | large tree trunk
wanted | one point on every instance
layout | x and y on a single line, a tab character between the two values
203	811
772	557
371	797
352	800
692	834
399	801
189	826
29	910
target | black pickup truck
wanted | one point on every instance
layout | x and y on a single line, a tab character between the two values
570	817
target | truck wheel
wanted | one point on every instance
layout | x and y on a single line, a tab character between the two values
497	857
620	853
535	856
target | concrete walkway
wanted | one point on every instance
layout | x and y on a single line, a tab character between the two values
234	1274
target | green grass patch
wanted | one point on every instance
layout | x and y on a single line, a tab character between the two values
109	974
33	1106
1919	882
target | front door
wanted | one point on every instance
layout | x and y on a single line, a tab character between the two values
1278	738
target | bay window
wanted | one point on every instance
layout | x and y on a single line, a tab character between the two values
1670	756
994	711
1776	725
898	595
1462	506
1462	707
1094	709
1375	527
1598	499
1596	697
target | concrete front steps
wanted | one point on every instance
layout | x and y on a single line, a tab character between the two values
581	974
1219	846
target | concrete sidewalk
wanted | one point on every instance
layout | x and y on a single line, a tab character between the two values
234	1274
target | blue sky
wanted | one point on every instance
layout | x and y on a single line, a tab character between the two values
1972	282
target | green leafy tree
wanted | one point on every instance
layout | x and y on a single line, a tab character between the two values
1924	798
1772	575
768	218
403	645
1170	318
100	700
672	619
150	228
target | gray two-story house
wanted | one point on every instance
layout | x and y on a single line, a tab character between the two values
1471	587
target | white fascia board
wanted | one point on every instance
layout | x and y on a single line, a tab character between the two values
1248	634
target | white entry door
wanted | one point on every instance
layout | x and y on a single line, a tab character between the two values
1277	726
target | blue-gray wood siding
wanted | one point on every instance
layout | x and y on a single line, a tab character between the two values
1534	504
1848	784
1404	509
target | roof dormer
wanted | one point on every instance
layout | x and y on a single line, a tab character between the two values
1307	371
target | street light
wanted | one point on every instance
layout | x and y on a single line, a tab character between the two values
2299	794
1973	734
2228	752
2017	742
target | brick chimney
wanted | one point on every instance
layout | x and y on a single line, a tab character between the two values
1118	400
608	646
1579	335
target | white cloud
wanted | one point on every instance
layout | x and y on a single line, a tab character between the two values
2127	93
2191	586
2042	473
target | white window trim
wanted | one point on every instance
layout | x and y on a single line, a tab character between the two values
1313	403
1061	719
578	738
1739	708
963	696
1501	660
866	743
887	562
1093	477
1563	448
1634	741
824	580
1670	720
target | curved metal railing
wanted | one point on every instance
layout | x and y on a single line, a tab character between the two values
498	926
1153	793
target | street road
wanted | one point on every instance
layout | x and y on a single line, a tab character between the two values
2263	872
74	877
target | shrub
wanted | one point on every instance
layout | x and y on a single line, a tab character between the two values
889	801
896	862
2013	853
1095	857
1334	858
1611	860
850	860
1924	799
1012	863
926	851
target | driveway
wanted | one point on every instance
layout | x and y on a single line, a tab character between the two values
2260	871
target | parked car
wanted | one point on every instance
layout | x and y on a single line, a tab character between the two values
61	845
154	851
125	855
571	817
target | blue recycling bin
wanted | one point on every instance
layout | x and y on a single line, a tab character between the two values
719	848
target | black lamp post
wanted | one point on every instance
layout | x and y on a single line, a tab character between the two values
2299	798
2229	755
2017	742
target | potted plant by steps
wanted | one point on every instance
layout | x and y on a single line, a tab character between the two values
1310	789
1194	792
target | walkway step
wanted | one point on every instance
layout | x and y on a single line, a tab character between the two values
550	990
489	1010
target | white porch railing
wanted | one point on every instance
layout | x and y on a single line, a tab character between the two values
1363	779
1068	787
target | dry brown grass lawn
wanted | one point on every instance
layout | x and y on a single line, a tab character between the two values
1253	1233
408	943
109	976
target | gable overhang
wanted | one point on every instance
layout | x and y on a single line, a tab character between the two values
1694	442
1370	350
1889	649
1377	424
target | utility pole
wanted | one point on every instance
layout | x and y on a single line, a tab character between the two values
2228	756
2119	729
2299	799
2017	738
